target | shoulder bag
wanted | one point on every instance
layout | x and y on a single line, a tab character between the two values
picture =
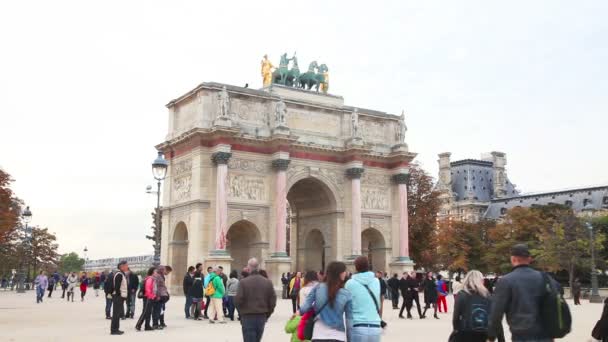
383	324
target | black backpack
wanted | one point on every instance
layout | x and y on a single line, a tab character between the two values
554	311
476	314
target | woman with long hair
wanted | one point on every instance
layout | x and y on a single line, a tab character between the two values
331	303
471	311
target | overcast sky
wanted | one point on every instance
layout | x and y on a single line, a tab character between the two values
83	86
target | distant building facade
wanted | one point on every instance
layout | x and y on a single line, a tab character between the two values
475	189
136	263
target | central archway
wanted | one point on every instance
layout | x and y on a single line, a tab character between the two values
374	247
313	224
243	243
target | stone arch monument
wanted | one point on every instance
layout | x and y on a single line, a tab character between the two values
240	157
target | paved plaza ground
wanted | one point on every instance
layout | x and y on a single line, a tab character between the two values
21	319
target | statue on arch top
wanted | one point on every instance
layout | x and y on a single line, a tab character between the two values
266	71
354	123
224	103
280	113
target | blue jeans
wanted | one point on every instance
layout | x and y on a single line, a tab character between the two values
39	294
365	334
253	327
231	307
188	306
108	306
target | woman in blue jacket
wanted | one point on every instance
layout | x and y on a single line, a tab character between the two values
331	303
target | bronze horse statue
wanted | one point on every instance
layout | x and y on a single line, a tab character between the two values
311	79
284	76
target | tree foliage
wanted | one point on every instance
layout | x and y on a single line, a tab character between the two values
461	245
9	209
423	205
71	262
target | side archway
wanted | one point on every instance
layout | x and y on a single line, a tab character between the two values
373	246
178	252
243	242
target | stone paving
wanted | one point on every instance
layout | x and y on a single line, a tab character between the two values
21	319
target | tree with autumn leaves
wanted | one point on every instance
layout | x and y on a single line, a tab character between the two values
423	205
36	251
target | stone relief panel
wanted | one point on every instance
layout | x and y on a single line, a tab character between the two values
248	165
376	131
317	122
246	187
375	179
182	180
374	198
250	111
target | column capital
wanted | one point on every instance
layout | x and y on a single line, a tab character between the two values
221	157
401	178
354	172
280	164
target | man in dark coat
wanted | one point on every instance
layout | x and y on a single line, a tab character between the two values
187	285
133	287
120	292
393	285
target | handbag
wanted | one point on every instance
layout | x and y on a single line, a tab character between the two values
383	324
307	324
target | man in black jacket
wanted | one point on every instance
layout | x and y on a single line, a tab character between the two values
518	295
132	298
107	290
393	285
120	292
187	285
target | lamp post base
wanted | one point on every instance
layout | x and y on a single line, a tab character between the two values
596	299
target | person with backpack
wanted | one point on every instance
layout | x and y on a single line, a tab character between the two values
84	285
215	290
364	286
186	286
295	284
195	292
150	294
528	298
64	285
107	290
442	293
96	284
207	298
471	311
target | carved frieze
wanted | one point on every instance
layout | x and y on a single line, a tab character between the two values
248	165
375	198
377	131
250	111
182	180
246	187
375	179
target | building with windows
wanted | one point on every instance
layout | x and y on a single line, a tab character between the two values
136	263
475	189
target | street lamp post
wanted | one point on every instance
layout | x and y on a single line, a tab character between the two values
159	170
595	295
27	218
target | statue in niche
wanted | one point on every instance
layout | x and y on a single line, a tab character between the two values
224	103
402	128
281	113
354	123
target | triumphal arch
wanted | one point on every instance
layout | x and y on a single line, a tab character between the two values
287	173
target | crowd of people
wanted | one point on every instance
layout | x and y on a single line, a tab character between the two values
332	304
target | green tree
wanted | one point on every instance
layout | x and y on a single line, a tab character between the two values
461	245
70	262
423	205
41	251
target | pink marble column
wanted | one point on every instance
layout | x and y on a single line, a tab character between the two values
404	250
355	176
221	202
280	165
